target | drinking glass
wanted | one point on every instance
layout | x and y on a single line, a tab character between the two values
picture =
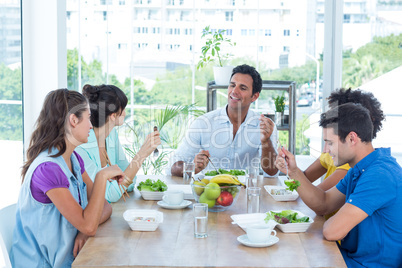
251	178
200	220
188	170
253	199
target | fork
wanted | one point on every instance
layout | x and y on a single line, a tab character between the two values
287	171
217	170
156	151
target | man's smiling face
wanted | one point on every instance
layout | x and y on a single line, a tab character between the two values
240	92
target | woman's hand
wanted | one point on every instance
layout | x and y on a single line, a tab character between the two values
151	142
79	243
112	173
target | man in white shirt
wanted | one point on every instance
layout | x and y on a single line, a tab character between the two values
233	137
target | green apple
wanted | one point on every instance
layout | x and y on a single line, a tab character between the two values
212	191
198	187
204	199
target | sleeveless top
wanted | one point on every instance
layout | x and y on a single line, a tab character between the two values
42	236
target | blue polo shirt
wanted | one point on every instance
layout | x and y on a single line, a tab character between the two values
375	186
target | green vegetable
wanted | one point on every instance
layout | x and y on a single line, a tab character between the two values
234	172
292	184
285	216
152	186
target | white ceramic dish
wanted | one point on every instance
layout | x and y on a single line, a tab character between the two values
289	196
131	214
186	188
282	180
245	241
243	220
183	204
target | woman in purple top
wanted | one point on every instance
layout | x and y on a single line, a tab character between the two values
59	206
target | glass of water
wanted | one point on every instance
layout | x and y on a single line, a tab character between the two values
251	177
188	170
200	220
253	199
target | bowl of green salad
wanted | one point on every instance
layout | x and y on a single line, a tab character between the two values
152	189
239	173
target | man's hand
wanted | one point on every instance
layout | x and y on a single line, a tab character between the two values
286	158
201	160
266	129
79	243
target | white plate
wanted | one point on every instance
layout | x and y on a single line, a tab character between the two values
186	188
183	204
286	197
243	220
244	240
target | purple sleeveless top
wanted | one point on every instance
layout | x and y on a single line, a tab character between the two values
48	176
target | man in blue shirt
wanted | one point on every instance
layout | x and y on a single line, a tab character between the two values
369	197
233	137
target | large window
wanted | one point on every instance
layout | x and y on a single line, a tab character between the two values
158	66
11	131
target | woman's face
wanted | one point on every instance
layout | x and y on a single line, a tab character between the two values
120	118
82	128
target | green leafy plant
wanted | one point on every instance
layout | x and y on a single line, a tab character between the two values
279	103
171	123
211	51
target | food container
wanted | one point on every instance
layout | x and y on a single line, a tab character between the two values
242	178
148	195
244	220
287	196
143	219
298	227
226	199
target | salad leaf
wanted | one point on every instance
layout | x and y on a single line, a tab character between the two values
234	172
292	184
285	216
152	186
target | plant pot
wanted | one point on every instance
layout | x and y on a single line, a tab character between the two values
279	118
222	75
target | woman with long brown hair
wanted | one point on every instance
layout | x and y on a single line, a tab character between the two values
59	206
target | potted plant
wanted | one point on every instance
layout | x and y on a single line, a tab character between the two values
171	123
279	109
212	53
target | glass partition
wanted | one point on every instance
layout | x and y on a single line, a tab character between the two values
11	130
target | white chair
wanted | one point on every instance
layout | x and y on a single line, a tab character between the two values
7	222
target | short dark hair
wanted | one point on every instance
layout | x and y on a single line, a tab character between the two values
250	70
346	118
365	98
104	100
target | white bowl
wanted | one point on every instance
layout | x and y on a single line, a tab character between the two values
244	220
131	214
288	196
148	195
186	188
298	227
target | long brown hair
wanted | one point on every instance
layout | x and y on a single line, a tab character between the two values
50	129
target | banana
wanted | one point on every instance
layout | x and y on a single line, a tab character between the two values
225	178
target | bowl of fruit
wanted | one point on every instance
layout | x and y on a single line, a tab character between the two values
220	192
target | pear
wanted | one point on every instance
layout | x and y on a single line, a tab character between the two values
199	187
206	181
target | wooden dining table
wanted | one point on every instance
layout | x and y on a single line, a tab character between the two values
173	243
